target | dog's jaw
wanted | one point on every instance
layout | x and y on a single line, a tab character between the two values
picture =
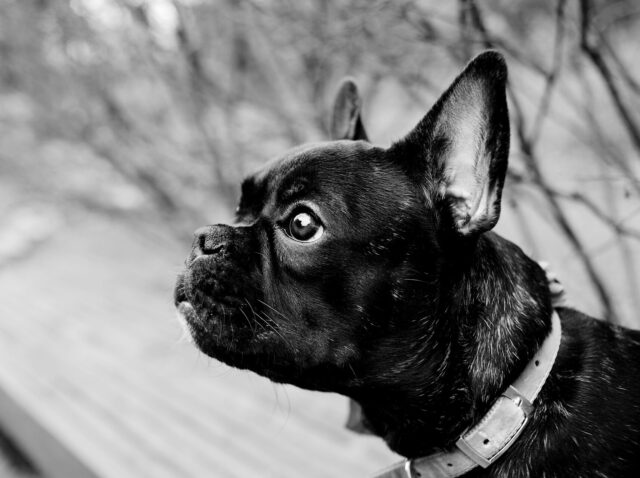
238	325
212	316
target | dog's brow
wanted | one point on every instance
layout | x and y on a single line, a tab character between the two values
293	191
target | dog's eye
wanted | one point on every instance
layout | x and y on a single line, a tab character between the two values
305	227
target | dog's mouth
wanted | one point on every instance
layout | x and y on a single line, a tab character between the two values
181	302
186	316
233	323
223	327
236	342
186	312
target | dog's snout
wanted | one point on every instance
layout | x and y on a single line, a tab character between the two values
210	240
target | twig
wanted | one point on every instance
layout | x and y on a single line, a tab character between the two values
552	75
525	227
617	226
577	197
606	244
432	35
139	176
626	253
559	215
633	84
601	66
596	137
201	87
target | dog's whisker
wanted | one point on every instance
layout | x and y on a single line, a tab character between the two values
267	322
266	326
275	310
271	324
252	325
411	279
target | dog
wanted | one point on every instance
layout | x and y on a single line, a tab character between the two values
373	272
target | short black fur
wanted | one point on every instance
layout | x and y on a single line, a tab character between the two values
406	302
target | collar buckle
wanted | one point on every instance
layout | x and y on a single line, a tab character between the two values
513	394
520	401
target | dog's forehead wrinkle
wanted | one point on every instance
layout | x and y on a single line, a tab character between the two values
296	187
369	189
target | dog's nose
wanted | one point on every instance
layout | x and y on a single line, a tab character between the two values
210	240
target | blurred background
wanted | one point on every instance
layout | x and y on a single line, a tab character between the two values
126	124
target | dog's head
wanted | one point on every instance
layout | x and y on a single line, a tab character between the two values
337	270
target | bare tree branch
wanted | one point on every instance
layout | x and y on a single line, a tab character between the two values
633	84
552	75
528	149
598	61
202	87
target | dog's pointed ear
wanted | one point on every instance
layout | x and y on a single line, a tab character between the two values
346	122
460	148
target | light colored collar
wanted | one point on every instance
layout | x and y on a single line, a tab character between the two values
483	444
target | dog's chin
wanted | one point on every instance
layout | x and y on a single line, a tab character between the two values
237	332
233	341
220	332
264	351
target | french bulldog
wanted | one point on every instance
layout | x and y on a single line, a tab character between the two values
373	272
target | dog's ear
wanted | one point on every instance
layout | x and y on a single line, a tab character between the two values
346	122
460	148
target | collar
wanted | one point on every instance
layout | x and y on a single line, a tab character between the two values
483	444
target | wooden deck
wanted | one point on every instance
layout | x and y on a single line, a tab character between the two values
90	354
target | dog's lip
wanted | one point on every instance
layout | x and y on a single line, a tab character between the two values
185	307
179	293
186	312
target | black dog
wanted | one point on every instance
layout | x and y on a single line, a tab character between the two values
372	272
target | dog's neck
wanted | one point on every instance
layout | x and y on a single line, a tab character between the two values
494	310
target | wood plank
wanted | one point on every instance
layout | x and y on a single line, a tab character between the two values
89	350
45	449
